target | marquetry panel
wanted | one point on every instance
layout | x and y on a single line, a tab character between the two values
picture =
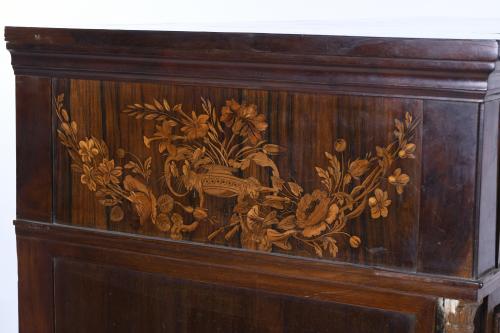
304	174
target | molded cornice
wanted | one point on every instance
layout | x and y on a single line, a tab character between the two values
428	68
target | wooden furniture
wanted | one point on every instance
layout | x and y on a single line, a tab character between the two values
237	182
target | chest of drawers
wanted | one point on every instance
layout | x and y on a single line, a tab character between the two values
237	182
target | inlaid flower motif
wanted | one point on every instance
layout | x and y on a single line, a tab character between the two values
165	129
311	213
407	151
87	177
333	212
340	145
354	241
258	234
229	112
358	167
196	127
379	203
399	180
164	133
249	123
265	215
88	150
108	173
279	239
253	216
253	236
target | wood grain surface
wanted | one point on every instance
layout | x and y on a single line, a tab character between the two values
90	102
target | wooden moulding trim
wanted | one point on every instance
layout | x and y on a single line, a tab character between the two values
274	265
458	69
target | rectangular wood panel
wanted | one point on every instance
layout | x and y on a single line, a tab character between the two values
449	166
487	195
36	287
303	132
121	300
34	148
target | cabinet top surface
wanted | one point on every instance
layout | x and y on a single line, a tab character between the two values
440	28
285	39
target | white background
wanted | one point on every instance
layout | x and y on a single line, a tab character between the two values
92	13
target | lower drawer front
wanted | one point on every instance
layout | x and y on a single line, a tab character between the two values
98	298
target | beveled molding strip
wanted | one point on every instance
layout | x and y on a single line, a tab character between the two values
272	265
430	68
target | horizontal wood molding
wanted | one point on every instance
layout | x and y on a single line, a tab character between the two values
268	266
430	68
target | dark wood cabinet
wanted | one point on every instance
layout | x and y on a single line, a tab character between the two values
237	182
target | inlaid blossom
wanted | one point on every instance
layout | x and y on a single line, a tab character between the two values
358	167
354	241
340	145
253	235
249	123
87	177
407	150
379	203
108	173
164	134
196	127
88	150
258	234
229	112
279	239
311	213
399	180
333	212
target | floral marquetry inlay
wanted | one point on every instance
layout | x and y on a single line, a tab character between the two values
208	153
